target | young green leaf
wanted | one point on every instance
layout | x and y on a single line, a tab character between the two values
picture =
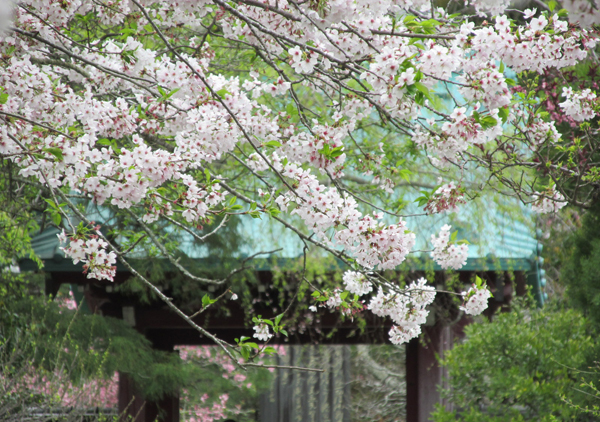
57	152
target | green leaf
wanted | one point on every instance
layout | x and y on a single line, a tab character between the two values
51	203
57	152
283	332
170	94
270	350
431	22
325	150
423	89
336	152
552	5
419	98
3	98
278	319
273	144
206	300
405	174
417	43
207	174
222	93
316	294
291	109
409	18
486	122
245	352
421	201
503	113
56	219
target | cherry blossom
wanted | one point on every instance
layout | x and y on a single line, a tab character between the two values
445	199
579	105
262	332
476	300
158	123
407	309
357	283
92	252
448	255
335	300
548	201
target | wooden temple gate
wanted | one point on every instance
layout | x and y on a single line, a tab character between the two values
165	330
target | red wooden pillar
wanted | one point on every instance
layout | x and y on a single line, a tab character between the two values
164	410
132	407
424	375
131	404
412	380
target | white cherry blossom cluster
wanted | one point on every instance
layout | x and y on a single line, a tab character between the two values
257	87
584	12
302	62
548	202
476	300
457	134
97	262
322	208
356	283
335	299
390	78
579	105
524	50
407	308
484	83
262	332
132	126
540	131
448	255
446	198
439	61
303	147
493	7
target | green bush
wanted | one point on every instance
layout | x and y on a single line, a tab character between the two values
526	365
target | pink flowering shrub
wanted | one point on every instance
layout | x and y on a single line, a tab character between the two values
221	389
56	389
